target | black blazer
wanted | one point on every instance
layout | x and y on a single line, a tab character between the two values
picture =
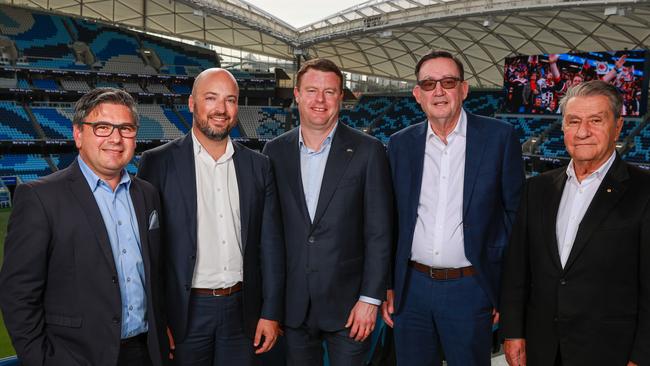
345	252
170	168
60	297
596	309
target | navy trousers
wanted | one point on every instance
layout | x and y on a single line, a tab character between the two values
453	317
215	334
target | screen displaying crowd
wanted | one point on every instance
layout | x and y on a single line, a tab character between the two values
535	84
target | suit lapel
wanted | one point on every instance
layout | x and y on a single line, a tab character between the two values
242	163
607	196
186	175
139	206
474	146
292	161
553	196
416	157
339	157
84	196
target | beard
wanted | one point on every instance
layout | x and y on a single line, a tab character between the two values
213	133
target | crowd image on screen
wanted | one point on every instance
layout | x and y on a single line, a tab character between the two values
535	84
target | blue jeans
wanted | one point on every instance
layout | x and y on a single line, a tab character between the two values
450	315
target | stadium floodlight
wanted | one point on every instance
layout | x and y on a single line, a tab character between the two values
487	22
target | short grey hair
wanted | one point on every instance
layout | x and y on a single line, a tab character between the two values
95	97
595	88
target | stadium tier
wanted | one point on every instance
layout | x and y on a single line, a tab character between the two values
26	166
529	126
640	152
56	123
15	124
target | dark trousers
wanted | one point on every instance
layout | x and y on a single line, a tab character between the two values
455	315
305	346
134	352
215	334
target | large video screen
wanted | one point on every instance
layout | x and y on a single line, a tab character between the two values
535	84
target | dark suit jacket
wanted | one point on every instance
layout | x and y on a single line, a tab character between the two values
596	309
494	176
60	297
345	252
171	169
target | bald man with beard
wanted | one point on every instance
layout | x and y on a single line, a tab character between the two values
224	243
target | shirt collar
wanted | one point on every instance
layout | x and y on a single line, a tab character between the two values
459	130
95	181
199	149
326	142
599	173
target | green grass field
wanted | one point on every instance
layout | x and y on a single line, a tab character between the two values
5	344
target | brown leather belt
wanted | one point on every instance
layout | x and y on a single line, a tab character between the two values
443	273
218	291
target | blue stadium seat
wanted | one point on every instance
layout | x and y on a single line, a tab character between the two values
15	123
55	122
403	113
27	166
640	152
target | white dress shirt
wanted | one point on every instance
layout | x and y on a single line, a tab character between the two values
219	258
438	239
576	198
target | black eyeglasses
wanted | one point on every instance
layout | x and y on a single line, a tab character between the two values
430	84
105	129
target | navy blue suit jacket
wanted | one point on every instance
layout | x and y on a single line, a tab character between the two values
345	252
171	169
493	179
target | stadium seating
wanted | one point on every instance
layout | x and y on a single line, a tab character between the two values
528	126
154	123
158	88
367	109
484	103
41	39
640	152
55	122
8	83
629	125
45	84
75	85
404	112
553	145
15	123
27	166
175	119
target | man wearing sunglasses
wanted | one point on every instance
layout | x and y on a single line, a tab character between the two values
81	280
457	179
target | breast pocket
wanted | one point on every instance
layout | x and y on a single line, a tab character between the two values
63	320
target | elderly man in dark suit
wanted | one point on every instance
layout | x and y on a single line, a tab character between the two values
225	252
336	200
81	280
457	180
576	282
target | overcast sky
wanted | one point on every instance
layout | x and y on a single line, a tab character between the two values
299	13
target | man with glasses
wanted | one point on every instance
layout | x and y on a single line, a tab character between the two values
81	280
457	179
576	278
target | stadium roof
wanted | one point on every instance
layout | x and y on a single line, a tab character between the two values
386	38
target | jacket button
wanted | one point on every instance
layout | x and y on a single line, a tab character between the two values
192	257
563	282
187	287
311	240
114	279
116	320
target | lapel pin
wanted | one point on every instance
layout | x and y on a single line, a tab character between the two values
609	190
349	150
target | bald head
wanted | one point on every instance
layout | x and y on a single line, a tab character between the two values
214	104
215	74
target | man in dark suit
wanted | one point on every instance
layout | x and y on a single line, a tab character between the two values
336	203
457	180
225	251
576	281
81	280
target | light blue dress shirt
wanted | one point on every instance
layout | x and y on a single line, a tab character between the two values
312	170
119	217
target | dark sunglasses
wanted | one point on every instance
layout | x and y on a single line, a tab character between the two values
430	84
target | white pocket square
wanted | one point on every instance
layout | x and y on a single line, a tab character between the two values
153	220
